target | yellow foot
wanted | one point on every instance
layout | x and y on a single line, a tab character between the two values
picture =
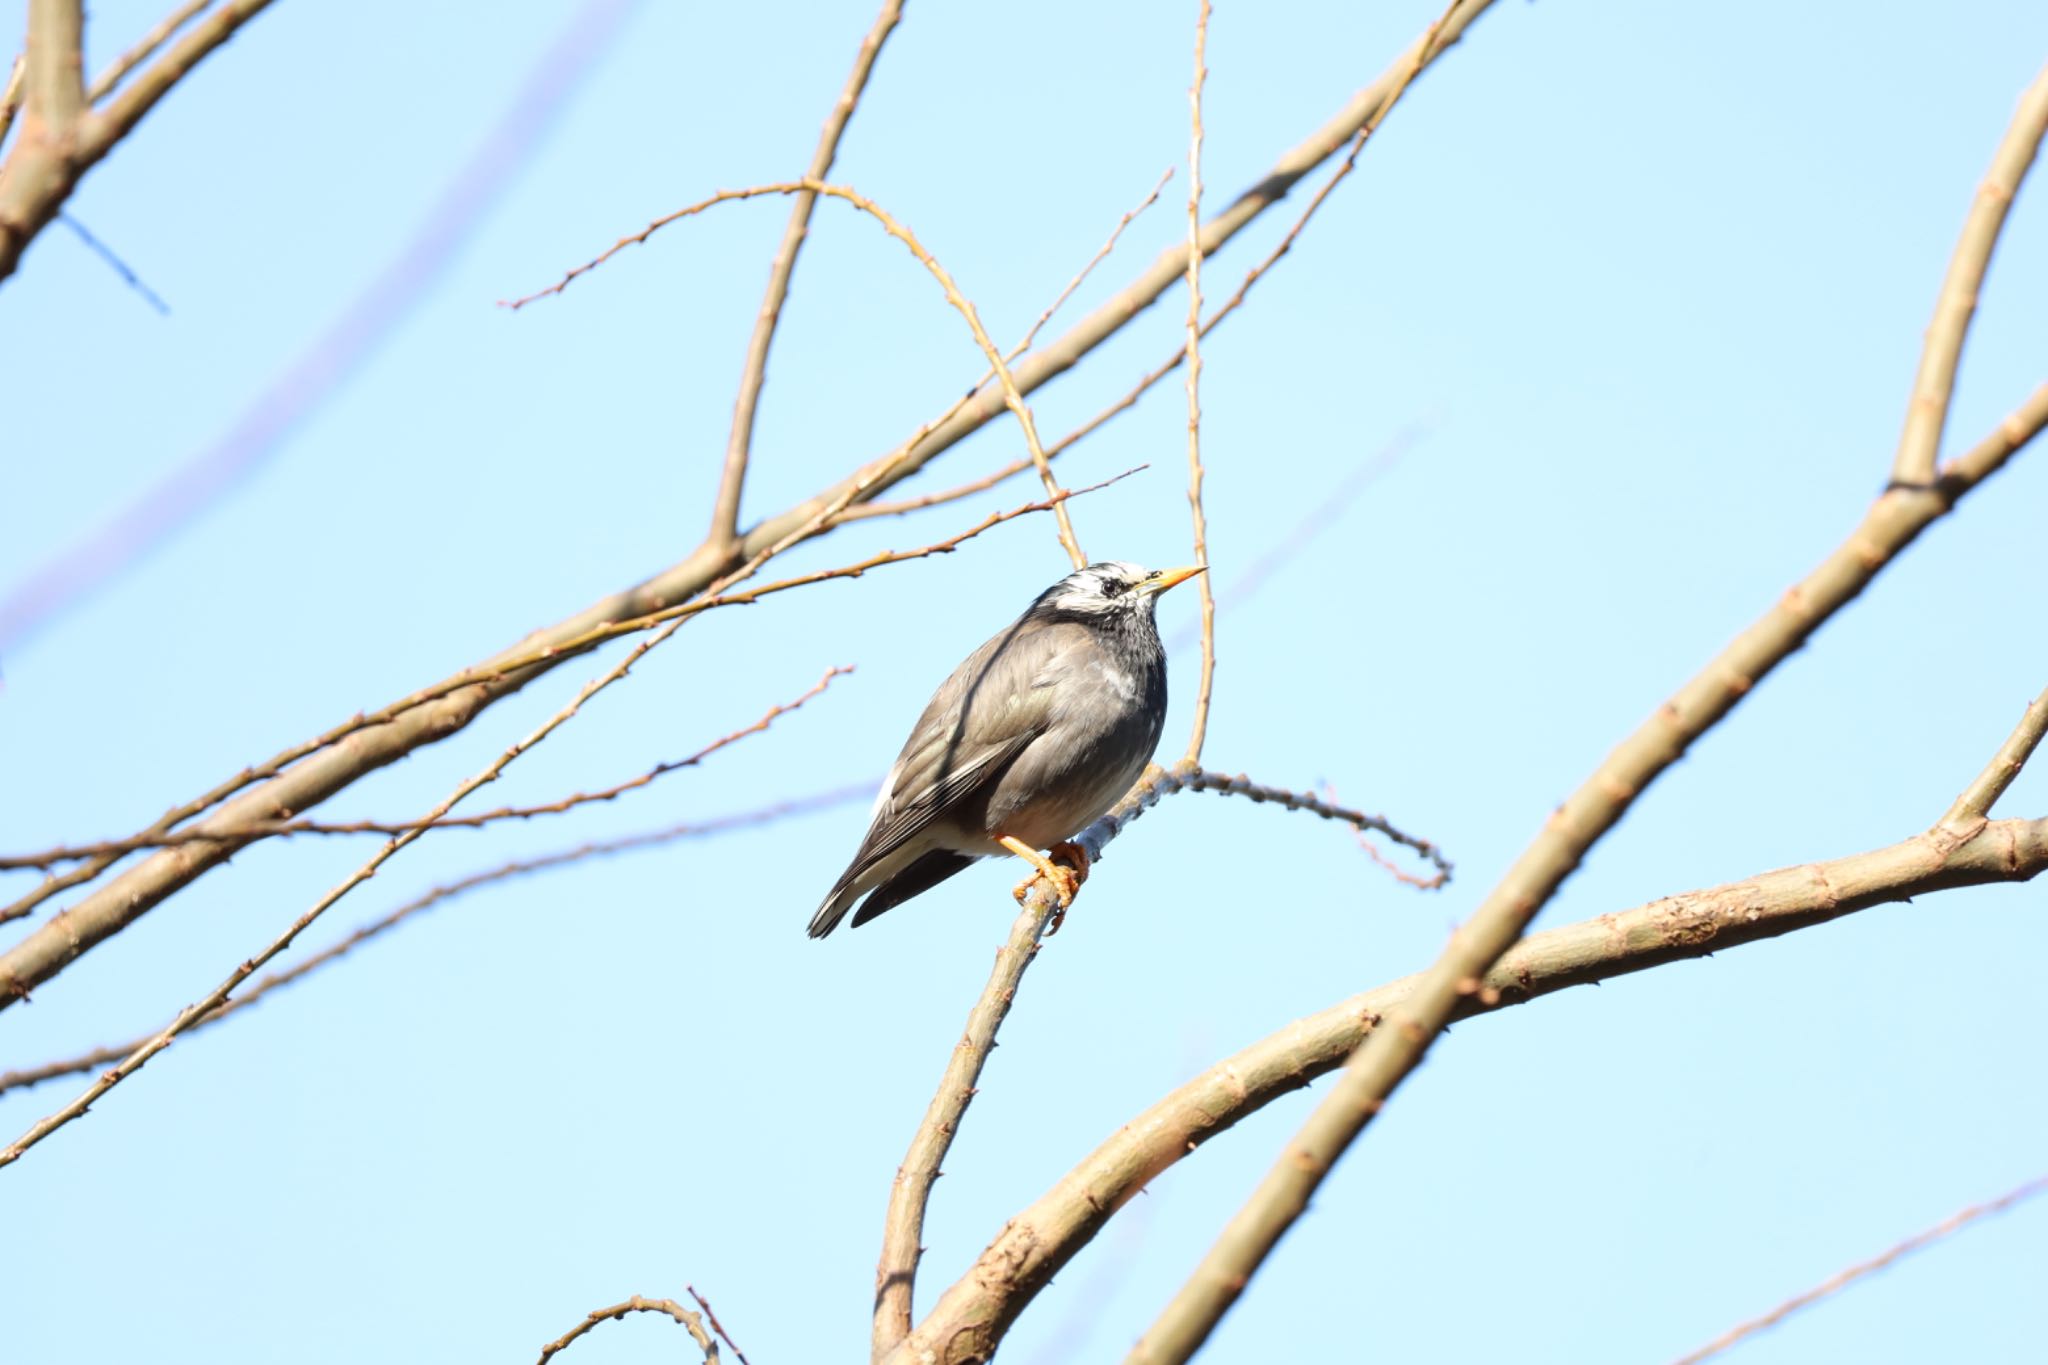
1064	880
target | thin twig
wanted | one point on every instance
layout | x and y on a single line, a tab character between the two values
863	511
1199	731
725	516
114	263
909	1193
10	95
1081	276
1012	395
1975	803
972	1315
118	69
71	1066
1956	305
125	109
192	1014
21	969
691	1322
1841	1280
1396	84
1203	780
716	1326
276	828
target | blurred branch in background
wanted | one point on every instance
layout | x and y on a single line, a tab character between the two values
276	828
1834	1284
188	491
192	1015
545	862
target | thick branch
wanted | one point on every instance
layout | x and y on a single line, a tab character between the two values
971	1317
56	73
725	516
1934	383
64	140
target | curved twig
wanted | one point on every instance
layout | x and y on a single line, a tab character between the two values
692	1323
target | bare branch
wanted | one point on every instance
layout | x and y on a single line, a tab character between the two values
725	517
1834	1284
716	1326
692	1323
1927	410
72	1066
1385	1059
1012	395
193	1014
903	1228
1081	276
107	911
10	95
64	138
972	1315
1193	349
1395	86
118	69
861	512
1203	780
275	828
332	766
1974	805
55	100
122	112
903	1225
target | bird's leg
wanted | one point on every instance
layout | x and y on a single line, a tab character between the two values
1073	858
1063	880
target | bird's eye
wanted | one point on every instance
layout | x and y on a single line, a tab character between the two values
1113	586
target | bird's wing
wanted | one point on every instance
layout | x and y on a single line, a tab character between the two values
981	718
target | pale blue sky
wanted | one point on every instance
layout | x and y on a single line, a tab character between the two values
1651	277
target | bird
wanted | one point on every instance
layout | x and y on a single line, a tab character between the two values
1033	737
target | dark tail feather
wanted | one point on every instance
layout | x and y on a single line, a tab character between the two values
914	880
920	877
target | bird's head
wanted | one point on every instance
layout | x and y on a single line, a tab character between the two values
1113	588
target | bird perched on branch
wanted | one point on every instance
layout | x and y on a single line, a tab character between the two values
1029	742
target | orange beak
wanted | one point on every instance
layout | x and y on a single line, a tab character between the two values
1171	578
